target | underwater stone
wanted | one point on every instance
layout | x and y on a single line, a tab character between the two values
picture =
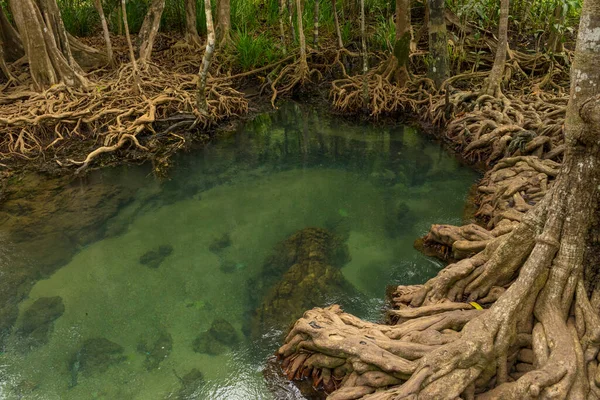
156	349
220	243
400	219
215	340
39	317
153	258
190	385
227	266
95	356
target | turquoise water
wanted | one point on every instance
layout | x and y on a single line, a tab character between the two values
218	218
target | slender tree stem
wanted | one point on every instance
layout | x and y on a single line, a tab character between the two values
201	101
338	31
109	50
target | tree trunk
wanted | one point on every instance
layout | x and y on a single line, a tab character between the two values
338	31
46	44
224	22
109	50
201	101
282	27
303	61
3	67
494	80
402	45
137	85
365	55
555	43
10	38
316	25
290	8
540	338
438	43
120	20
191	30
149	29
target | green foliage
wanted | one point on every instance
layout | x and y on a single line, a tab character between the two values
79	16
385	34
346	29
253	51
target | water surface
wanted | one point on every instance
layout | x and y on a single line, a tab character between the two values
285	171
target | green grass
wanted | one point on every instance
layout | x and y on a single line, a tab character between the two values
253	51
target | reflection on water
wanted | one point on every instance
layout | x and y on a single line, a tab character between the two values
158	300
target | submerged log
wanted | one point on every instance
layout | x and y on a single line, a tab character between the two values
302	272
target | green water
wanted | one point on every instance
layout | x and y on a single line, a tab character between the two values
282	172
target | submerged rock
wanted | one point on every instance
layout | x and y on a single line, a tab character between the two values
153	258
400	219
305	272
38	319
95	356
190	385
220	243
216	340
227	266
156	347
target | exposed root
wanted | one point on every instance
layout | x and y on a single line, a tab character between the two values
293	76
513	321
111	112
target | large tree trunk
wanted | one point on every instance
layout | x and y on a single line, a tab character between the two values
191	30
149	29
46	44
494	80
13	47
224	22
402	45
105	31
201	101
540	338
438	43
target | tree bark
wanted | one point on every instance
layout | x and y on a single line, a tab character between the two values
338	31
137	86
13	47
224	22
282	27
149	29
109	50
316	25
555	44
438	43
494	80
402	45
290	9
191	30
201	101
365	55
303	61
46	44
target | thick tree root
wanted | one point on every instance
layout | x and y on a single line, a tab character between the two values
513	321
505	194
